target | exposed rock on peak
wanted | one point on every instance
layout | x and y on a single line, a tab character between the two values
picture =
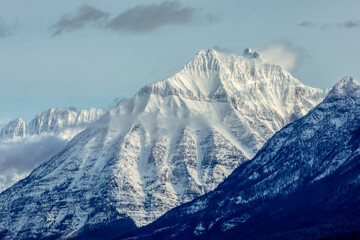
346	87
248	52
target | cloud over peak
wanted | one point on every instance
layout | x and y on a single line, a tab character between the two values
281	54
139	19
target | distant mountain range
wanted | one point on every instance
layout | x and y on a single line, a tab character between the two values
54	120
303	184
25	146
174	141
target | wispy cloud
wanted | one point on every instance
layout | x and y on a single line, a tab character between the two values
83	17
281	54
145	18
307	24
350	24
139	19
222	49
326	26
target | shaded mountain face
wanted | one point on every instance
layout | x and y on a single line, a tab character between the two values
172	142
303	184
23	147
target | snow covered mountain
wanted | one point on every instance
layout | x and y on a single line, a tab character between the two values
173	141
303	184
54	120
24	147
15	128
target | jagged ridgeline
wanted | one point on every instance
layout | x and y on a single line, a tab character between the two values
53	120
173	141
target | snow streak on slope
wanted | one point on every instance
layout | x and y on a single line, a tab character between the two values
304	183
24	147
173	141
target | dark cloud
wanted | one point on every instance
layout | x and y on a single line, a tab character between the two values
350	24
144	18
19	157
307	24
81	18
139	19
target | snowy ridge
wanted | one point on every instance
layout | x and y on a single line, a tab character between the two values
54	120
173	141
345	88
304	183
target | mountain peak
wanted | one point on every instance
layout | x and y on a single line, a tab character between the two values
250	53
346	87
15	128
18	120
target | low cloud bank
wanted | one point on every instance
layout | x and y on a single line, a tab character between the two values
20	156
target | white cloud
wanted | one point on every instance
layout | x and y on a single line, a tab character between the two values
281	54
20	156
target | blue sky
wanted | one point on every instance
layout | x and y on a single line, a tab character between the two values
88	53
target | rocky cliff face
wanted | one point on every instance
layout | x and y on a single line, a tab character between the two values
172	142
303	184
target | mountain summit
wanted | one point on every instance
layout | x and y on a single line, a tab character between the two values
172	142
303	184
347	87
248	52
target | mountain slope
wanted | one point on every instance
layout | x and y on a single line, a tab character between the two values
25	146
173	141
303	184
